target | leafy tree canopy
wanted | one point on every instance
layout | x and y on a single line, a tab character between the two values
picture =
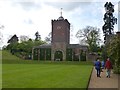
90	36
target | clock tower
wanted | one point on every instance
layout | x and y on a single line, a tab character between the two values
60	38
60	48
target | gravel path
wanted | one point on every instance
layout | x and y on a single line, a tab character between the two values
104	83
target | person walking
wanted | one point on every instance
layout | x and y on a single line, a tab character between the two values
103	64
108	67
98	67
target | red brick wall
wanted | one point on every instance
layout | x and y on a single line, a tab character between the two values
60	31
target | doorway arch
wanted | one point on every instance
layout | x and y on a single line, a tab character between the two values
58	56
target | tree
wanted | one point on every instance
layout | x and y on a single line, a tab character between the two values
23	49
109	19
113	51
89	35
37	35
13	39
1	27
48	38
1	36
13	42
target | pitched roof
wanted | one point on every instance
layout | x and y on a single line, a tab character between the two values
43	46
85	47
77	46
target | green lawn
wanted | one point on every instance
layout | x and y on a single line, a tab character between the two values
0	69
0	75
44	74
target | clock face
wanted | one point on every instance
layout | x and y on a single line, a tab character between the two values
58	32
58	27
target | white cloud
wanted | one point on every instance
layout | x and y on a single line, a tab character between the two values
27	4
17	21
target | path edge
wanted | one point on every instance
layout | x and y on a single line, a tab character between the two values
90	78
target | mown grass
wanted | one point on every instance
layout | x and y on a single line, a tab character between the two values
37	74
0	69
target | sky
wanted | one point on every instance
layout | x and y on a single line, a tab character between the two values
26	17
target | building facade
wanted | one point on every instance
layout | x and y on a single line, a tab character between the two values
60	48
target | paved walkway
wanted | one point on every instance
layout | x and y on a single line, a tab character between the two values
103	82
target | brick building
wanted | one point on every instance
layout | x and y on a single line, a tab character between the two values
60	47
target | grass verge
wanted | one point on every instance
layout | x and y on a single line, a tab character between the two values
17	73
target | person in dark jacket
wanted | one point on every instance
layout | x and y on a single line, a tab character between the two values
108	67
98	67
